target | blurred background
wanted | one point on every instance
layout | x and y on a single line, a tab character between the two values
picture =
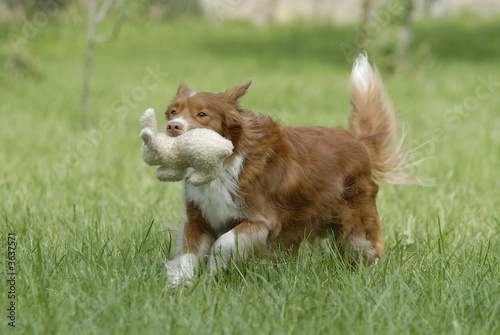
76	75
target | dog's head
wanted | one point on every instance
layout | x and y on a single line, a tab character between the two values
219	112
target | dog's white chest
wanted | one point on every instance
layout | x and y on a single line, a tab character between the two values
215	199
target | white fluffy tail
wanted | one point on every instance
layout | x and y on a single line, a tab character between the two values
373	121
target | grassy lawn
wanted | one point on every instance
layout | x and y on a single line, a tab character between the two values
90	218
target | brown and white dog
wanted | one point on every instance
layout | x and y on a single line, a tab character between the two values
283	184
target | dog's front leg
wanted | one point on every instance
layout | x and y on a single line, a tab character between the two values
193	243
240	242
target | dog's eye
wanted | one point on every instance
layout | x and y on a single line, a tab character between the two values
201	114
173	112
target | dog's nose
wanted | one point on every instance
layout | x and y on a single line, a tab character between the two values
174	128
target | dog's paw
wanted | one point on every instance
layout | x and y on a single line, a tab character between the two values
223	251
181	269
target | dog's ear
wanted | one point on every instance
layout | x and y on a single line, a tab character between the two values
183	88
232	127
236	92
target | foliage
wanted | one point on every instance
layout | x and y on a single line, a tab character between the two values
387	31
17	63
166	9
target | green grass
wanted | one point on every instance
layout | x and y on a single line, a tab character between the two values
92	237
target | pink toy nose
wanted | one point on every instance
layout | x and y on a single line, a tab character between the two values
174	128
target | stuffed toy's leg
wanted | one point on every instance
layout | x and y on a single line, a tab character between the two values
164	173
148	120
148	136
199	177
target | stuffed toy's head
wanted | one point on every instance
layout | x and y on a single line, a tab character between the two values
202	149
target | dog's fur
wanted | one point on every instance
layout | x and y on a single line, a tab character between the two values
284	184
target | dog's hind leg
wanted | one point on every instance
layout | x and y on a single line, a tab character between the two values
360	231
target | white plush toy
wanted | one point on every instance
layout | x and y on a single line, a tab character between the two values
202	149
